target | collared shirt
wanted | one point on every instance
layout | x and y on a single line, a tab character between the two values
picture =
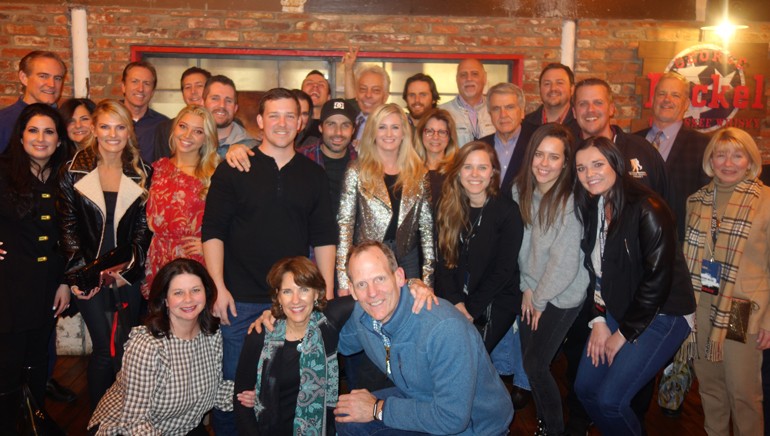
265	215
666	141
238	135
463	114
145	128
8	117
166	385
505	150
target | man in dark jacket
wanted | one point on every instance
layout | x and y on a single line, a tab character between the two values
682	148
557	84
505	102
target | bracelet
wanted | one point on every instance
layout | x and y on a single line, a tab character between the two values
374	411
411	282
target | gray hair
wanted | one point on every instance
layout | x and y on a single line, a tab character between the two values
376	69
507	88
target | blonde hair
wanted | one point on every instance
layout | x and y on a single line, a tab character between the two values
208	152
130	155
411	169
739	140
451	148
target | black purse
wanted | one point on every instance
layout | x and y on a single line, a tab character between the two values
87	277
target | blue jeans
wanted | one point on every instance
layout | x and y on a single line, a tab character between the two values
606	391
508	359
232	343
374	427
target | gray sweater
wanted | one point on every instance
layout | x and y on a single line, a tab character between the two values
551	262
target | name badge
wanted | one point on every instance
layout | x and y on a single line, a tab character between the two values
710	272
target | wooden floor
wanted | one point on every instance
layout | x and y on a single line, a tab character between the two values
73	417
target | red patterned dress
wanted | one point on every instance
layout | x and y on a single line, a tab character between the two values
174	212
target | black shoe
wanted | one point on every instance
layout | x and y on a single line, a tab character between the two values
57	392
541	430
520	397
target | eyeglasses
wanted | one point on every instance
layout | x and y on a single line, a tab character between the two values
441	133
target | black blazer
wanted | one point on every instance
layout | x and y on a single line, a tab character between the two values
685	171
518	155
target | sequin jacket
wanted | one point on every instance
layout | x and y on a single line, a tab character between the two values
366	214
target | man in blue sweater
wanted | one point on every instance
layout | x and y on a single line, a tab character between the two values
445	382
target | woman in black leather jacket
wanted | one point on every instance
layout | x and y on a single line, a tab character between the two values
101	210
639	286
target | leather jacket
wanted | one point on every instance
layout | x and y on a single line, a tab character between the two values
81	212
643	268
366	214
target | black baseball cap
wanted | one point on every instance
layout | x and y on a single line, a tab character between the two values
338	106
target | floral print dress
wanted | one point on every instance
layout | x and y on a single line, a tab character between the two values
174	212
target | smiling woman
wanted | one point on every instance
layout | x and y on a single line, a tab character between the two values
31	267
638	284
101	211
294	367
178	194
172	369
479	235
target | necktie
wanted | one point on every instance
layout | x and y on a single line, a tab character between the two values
657	139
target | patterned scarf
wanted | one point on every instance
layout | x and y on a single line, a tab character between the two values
318	376
733	233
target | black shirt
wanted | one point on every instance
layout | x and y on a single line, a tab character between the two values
335	171
288	383
265	215
395	202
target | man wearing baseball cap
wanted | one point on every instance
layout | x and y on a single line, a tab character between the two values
335	149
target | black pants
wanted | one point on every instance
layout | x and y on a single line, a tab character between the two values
24	358
97	314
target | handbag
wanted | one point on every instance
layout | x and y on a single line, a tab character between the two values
738	325
674	385
87	277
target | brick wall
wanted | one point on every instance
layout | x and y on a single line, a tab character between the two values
605	48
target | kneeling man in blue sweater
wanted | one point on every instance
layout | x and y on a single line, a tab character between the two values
445	382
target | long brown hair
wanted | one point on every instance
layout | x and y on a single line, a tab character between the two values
555	200
454	206
209	158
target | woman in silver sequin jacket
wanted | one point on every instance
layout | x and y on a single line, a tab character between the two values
386	197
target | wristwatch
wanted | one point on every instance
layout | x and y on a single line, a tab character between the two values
377	411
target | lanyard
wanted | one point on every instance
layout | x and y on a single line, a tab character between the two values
377	326
602	228
715	224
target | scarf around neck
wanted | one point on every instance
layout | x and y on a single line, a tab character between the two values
318	375
728	250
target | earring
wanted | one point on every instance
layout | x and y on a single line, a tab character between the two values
315	303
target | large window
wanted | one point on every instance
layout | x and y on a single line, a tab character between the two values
255	71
